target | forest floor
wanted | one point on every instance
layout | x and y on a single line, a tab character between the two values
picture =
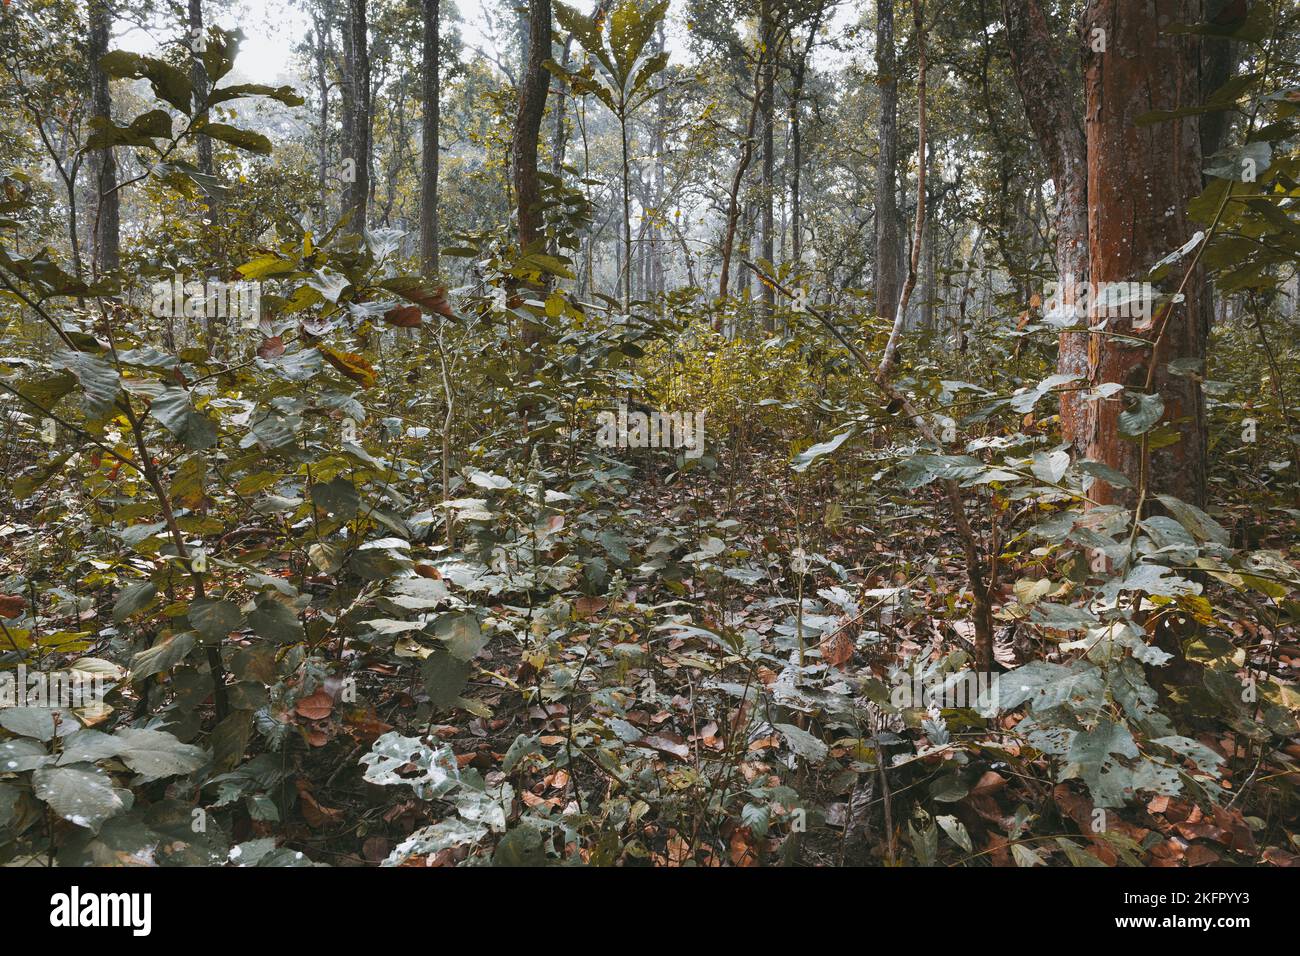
872	596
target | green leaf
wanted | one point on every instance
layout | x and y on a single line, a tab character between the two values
169	82
392	755
82	794
244	139
811	748
1050	466
219	51
337	497
155	754
134	598
20	755
142	131
805	459
956	831
285	94
1142	416
99	380
444	676
38	722
462	635
276	622
214	620
163	656
1200	525
88	746
1093	754
1106	473
174	412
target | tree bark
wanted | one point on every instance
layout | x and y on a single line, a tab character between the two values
358	191
107	207
769	156
199	81
1049	88
738	177
429	142
347	95
888	252
1141	179
796	138
534	84
533	88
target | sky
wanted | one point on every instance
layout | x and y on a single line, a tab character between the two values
272	27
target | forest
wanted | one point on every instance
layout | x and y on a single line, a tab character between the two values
649	433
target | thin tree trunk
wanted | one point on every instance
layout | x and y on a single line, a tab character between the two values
323	90
888	240
429	142
733	194
107	204
199	80
796	139
534	84
769	157
1048	88
358	191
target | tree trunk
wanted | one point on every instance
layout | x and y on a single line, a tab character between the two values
533	87
358	191
1048	88
928	267
322	31
1140	181
769	156
107	208
534	84
737	178
888	252
796	139
199	81
429	142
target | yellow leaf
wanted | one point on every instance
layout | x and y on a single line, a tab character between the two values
350	364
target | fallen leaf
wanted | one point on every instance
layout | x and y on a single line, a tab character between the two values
316	707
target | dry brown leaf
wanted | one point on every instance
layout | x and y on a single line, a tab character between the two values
316	707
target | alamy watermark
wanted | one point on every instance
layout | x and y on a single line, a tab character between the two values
632	429
73	690
966	689
212	299
1070	300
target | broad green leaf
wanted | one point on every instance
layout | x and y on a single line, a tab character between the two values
81	794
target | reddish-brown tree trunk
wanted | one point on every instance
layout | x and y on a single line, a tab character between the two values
1140	181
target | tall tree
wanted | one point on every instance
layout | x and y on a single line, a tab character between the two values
429	141
322	54
534	84
199	79
767	32
1141	179
888	239
357	190
107	223
533	87
1049	85
798	74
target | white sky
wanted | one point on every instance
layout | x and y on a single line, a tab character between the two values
272	27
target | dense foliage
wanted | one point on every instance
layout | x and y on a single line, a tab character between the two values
362	585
